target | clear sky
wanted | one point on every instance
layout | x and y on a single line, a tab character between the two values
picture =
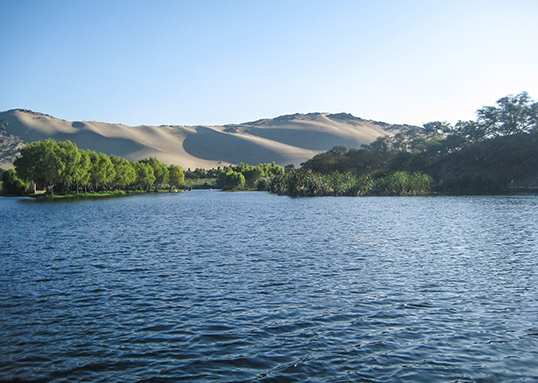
217	62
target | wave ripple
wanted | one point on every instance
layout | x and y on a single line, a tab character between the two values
221	287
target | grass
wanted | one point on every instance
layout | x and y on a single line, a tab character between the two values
114	193
79	195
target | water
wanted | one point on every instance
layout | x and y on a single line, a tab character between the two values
236	287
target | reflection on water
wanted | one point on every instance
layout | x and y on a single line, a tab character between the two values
209	286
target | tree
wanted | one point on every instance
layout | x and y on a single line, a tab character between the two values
512	115
41	162
63	166
12	184
101	170
73	168
144	175
271	170
435	128
289	167
125	173
472	131
230	179
177	177
81	175
160	171
252	174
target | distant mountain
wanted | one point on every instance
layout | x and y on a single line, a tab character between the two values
289	139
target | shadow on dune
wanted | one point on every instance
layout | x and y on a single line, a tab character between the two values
305	139
86	139
209	144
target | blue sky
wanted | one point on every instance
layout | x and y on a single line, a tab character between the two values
218	62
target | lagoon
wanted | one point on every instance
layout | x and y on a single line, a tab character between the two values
234	287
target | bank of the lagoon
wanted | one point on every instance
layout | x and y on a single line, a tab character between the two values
237	287
102	194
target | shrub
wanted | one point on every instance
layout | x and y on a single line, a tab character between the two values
12	184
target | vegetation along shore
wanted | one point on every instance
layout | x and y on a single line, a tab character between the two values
496	153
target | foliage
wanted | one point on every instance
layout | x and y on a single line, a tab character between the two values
250	176
101	170
82	172
474	184
61	166
223	178
305	182
229	179
501	160
176	176
41	162
160	172
124	172
486	154
512	115
199	173
145	176
200	183
364	160
404	183
12	184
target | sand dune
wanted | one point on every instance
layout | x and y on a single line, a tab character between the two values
289	139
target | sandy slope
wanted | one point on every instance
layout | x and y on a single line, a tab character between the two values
290	139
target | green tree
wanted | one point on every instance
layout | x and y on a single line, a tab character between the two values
177	177
435	128
230	179
471	131
41	162
289	167
271	170
81	175
73	168
160	171
12	184
512	115
101	171
125	173
145	176
252	174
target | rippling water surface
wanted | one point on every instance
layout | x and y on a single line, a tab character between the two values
236	287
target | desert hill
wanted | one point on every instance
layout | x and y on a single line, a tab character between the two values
289	139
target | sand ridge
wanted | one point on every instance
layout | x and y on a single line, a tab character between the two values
288	139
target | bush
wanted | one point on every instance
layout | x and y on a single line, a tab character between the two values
229	179
474	184
404	183
12	184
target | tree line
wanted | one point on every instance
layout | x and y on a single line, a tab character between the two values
238	177
482	155
244	176
63	168
414	148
